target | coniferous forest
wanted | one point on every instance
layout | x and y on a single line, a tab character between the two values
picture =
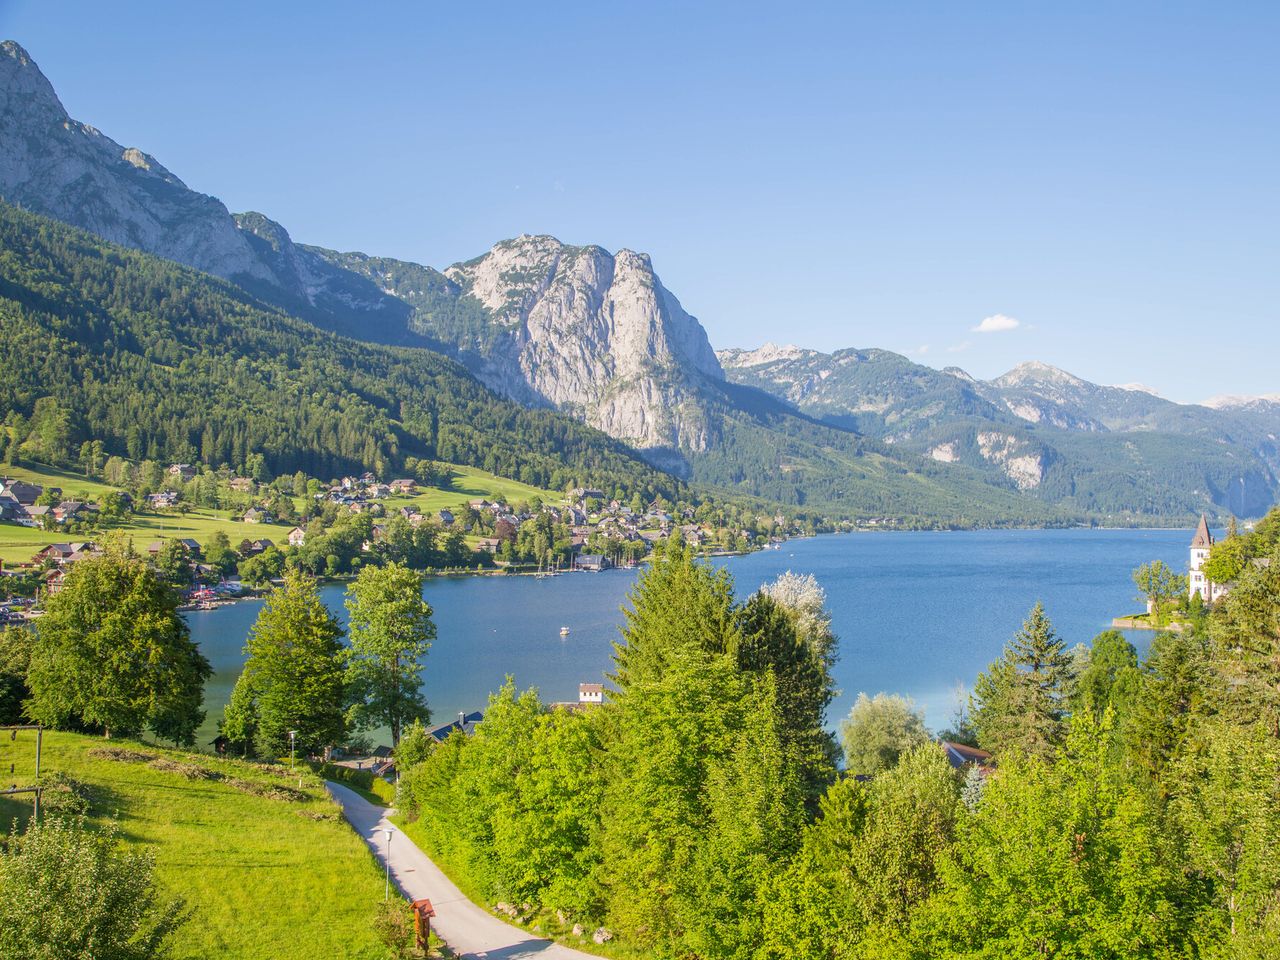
1131	809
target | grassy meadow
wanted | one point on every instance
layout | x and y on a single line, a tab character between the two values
18	543
269	872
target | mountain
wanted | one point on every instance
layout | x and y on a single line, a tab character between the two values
595	335
1099	449
575	328
160	361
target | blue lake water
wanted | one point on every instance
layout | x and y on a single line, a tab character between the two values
916	613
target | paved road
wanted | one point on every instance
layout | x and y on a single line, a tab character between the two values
468	930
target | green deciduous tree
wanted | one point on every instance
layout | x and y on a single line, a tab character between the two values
68	893
1021	701
292	677
114	654
15	661
390	631
1159	586
879	730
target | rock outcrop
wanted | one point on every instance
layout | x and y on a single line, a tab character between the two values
68	170
591	332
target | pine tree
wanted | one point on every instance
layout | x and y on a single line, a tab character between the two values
1020	703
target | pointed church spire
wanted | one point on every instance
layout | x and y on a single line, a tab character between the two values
1203	537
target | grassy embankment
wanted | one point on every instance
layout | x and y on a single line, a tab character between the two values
270	872
542	923
18	543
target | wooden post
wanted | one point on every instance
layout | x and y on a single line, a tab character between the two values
422	914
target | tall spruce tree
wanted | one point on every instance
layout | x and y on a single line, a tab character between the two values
292	677
1021	702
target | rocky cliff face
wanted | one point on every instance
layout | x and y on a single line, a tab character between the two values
597	334
57	166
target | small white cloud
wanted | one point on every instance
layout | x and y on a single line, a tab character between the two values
959	347
996	323
922	349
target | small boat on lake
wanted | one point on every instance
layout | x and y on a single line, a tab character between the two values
564	631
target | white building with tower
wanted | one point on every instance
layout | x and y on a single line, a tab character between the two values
1197	582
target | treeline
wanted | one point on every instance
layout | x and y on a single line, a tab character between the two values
163	363
1131	809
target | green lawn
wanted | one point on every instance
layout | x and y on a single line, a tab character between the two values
18	543
267	876
472	484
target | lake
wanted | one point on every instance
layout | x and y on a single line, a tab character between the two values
916	613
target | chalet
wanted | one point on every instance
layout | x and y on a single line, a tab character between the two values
489	544
465	724
591	693
367	478
479	505
297	537
10	508
36	513
192	547
21	491
65	553
962	756
242	484
378	490
256	515
71	510
251	548
182	472
586	493
164	500
595	562
446	517
406	486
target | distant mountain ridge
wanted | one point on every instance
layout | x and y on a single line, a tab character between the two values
596	335
1045	429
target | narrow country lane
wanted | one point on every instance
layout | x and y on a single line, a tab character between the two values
469	930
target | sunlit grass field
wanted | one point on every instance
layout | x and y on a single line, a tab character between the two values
19	543
266	876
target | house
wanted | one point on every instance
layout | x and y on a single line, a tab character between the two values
466	724
182	472
192	547
489	544
70	510
242	484
297	537
164	500
21	491
962	756
378	490
256	515
65	553
1197	582
446	517
586	493
10	508
590	693
406	486
595	562
251	548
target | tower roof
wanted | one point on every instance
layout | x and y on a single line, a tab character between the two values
1203	537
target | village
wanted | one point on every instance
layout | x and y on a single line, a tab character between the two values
332	529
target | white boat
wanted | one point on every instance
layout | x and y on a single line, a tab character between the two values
564	631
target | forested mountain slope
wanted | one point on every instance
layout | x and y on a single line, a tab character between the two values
1097	449
164	362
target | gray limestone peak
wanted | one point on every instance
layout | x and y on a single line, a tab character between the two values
57	166
595	333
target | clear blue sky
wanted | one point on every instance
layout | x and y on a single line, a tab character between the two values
878	174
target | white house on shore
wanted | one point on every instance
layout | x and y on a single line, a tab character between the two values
1197	582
